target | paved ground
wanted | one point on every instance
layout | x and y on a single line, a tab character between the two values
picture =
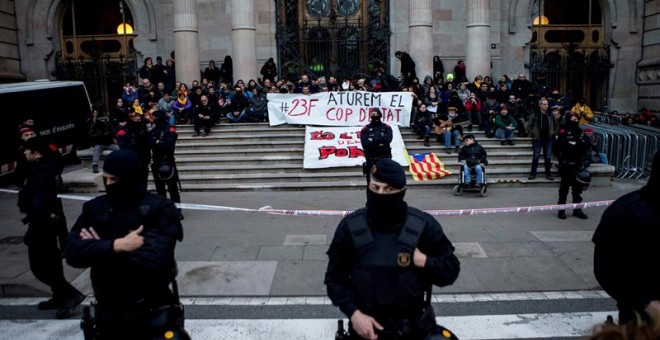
254	254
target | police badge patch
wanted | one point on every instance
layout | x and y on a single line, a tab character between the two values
403	259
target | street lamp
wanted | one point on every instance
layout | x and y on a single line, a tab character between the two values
124	28
543	21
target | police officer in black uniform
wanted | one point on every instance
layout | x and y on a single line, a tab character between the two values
384	259
133	136
162	142
127	237
572	148
375	138
45	219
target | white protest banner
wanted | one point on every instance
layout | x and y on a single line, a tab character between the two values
348	108
327	147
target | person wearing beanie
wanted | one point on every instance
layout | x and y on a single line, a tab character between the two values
381	248
572	156
128	237
375	138
45	217
162	142
625	255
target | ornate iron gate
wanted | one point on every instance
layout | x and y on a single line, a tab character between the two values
584	73
104	73
342	38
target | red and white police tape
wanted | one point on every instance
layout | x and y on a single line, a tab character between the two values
451	212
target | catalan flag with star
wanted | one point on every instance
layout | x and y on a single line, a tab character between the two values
426	166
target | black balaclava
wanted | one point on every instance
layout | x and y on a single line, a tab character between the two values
386	211
651	191
131	185
375	120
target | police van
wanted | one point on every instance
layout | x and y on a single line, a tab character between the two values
59	110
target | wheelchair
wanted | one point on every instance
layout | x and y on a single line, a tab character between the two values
472	186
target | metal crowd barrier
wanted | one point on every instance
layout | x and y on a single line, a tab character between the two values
629	148
606	119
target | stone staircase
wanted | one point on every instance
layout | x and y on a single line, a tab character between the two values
258	157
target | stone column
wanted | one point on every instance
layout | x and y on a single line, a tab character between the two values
186	41
421	37
243	31
477	47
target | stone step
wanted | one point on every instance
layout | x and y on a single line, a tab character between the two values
347	175
299	151
297	159
359	183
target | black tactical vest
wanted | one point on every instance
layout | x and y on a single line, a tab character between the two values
386	281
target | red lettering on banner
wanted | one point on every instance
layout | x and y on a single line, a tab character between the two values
321	135
344	135
363	115
326	151
305	106
350	152
355	152
338	114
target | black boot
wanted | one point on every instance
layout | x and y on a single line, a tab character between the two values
561	214
95	168
426	141
580	214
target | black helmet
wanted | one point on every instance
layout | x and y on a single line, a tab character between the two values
583	177
165	171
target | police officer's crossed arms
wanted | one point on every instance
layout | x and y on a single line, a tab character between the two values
375	138
128	237
384	259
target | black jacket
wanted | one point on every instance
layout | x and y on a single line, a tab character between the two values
473	154
376	139
120	280
442	266
625	256
38	197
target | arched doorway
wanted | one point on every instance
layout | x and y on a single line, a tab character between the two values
341	38
568	49
97	47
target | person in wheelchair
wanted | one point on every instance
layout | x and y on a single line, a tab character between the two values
473	157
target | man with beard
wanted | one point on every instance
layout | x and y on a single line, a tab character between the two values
128	237
375	138
573	148
384	260
626	251
45	219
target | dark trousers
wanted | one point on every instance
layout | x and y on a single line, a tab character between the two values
172	187
205	124
546	146
46	264
568	181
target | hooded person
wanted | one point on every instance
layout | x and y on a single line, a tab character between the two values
381	248
128	237
625	256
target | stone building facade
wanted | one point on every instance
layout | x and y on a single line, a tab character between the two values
494	37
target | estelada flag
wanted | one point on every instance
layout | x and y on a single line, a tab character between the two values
426	166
